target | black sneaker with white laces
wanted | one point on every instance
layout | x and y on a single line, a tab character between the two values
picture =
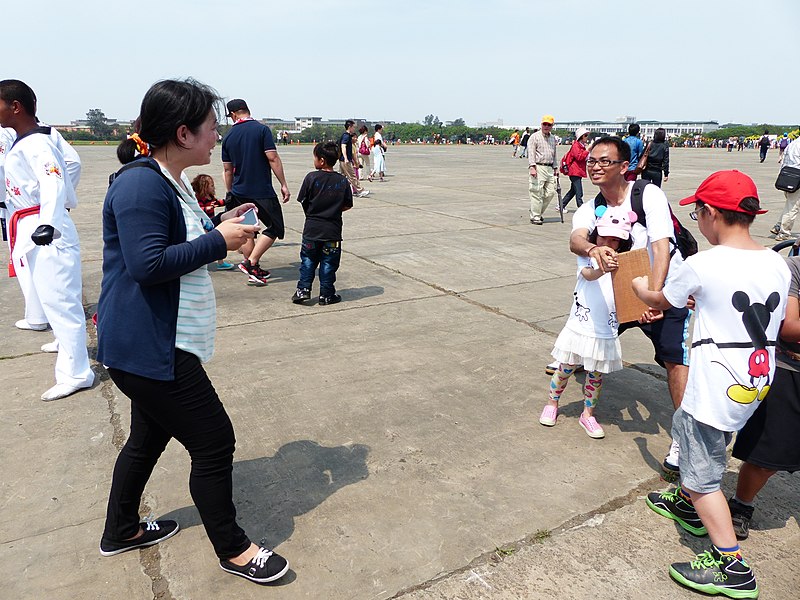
301	295
153	532
714	573
264	567
741	514
333	299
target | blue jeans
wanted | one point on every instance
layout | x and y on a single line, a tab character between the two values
325	254
575	191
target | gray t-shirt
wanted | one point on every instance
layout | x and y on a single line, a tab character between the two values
787	355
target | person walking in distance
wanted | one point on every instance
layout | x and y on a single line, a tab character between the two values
249	158
347	159
542	169
576	161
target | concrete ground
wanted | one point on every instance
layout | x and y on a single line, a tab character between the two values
388	446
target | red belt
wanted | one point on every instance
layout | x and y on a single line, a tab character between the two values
12	232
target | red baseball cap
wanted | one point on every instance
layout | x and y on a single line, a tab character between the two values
725	190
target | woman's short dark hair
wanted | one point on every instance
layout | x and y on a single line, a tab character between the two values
12	90
633	129
660	135
166	106
327	151
362	129
378	127
623	150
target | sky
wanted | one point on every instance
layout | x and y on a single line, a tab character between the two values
515	60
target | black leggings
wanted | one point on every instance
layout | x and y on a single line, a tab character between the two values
189	410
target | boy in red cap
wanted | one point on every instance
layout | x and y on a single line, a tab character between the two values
739	289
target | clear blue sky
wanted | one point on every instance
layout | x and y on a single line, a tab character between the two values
727	60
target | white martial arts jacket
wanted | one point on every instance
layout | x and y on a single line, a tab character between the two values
36	175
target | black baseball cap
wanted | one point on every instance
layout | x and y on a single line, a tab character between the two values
236	105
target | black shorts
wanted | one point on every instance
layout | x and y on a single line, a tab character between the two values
269	213
668	335
769	438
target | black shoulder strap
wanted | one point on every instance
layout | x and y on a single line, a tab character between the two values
143	163
637	205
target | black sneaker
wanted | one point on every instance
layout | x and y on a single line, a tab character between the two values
671	505
714	573
325	300
244	267
740	516
301	295
265	566
153	532
255	274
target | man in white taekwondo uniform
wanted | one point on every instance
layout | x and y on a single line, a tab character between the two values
45	249
36	320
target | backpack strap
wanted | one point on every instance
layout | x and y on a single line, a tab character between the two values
636	201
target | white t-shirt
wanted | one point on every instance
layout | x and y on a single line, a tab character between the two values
740	298
659	222
593	311
7	137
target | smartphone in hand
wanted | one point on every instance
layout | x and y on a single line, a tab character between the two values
249	217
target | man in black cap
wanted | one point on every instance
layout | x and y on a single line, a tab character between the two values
249	157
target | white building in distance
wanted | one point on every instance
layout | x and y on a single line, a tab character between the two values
648	128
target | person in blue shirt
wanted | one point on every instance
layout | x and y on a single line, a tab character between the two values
637	149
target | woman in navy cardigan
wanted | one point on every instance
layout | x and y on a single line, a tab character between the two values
156	323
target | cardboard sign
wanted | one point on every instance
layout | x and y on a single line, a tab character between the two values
634	263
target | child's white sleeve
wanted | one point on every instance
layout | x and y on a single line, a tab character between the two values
685	283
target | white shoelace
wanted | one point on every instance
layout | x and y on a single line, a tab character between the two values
260	559
152	526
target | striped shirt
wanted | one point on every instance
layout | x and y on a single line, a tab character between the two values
197	306
542	150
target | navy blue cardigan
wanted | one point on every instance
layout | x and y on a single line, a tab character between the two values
145	253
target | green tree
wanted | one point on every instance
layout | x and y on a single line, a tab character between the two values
97	123
432	121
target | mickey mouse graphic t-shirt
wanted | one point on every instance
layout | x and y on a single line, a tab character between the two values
740	301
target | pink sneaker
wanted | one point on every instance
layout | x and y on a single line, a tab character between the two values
549	415
592	427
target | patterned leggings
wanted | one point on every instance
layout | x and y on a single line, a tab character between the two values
591	388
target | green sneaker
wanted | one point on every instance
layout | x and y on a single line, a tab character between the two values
670	504
714	573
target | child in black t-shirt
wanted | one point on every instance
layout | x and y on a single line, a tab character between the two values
324	195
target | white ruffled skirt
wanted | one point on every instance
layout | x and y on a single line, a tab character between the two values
595	354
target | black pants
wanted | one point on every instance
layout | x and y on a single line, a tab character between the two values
652	176
575	191
189	410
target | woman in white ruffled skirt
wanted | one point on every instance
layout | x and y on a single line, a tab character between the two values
589	337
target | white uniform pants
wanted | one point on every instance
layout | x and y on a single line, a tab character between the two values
50	277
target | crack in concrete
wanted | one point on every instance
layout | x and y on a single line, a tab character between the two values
149	558
534	539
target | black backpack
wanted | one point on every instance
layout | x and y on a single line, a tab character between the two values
684	240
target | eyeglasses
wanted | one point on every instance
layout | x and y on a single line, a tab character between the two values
693	215
547	124
603	162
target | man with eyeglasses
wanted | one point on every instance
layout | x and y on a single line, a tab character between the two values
607	166
542	169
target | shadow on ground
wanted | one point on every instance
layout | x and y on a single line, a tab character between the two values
270	492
